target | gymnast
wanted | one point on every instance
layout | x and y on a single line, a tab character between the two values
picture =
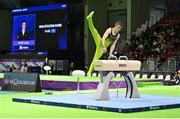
104	46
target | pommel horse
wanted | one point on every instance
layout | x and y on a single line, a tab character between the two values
106	68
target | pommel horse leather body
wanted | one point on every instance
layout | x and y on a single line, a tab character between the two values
106	68
117	65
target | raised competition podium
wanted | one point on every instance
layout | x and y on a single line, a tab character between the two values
125	66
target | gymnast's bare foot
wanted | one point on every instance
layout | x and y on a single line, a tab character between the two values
90	15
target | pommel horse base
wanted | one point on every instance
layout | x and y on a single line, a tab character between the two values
106	68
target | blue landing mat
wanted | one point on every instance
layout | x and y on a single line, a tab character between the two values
120	104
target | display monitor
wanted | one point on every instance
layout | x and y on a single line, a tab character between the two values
40	28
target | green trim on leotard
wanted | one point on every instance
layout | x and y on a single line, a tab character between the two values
97	39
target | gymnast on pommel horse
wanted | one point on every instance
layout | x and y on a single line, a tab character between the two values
109	40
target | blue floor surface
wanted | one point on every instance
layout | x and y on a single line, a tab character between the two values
120	104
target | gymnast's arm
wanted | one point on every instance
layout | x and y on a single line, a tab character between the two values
106	34
113	45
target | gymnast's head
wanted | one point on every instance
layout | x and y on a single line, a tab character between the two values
118	26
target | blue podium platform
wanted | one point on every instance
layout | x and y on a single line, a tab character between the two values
115	104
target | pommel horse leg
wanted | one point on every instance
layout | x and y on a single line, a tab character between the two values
131	86
102	89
